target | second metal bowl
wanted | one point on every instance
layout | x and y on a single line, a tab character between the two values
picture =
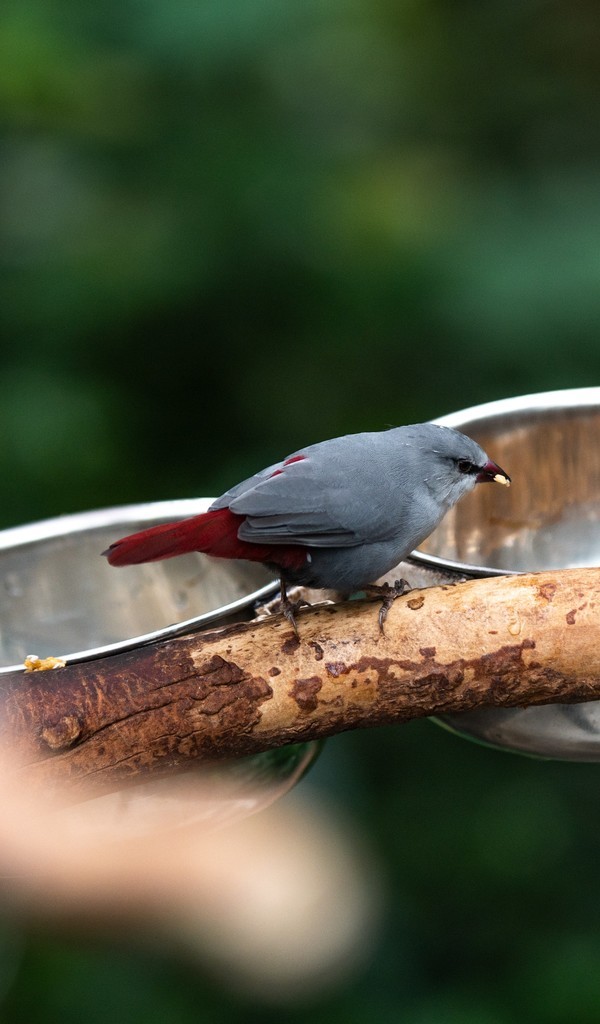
549	519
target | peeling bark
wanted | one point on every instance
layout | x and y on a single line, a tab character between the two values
503	642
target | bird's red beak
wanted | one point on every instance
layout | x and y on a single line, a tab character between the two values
491	473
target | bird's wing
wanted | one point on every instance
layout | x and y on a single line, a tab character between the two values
314	528
315	498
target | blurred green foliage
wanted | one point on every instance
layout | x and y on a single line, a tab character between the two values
232	228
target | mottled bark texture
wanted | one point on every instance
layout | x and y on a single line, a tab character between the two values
532	639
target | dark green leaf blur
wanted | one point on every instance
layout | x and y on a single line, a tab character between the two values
229	228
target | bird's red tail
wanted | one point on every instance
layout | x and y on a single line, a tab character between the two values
214	533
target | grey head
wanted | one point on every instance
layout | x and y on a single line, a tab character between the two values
449	463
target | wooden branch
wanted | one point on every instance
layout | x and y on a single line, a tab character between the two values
506	642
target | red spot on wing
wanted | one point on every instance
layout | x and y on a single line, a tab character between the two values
214	533
289	462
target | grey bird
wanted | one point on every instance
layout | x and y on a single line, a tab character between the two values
334	515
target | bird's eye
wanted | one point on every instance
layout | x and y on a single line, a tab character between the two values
464	466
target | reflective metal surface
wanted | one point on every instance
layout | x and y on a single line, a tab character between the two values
549	519
568	732
59	597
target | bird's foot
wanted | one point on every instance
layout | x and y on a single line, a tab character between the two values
291	608
387	592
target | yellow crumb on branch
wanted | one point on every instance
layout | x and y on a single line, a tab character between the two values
34	664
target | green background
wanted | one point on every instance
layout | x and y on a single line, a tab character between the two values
233	227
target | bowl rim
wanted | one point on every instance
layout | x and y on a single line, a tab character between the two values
541	401
120	516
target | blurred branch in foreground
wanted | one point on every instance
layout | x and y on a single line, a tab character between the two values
278	905
503	642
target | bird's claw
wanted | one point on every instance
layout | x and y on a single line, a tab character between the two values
291	608
387	592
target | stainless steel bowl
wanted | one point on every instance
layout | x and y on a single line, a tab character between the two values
549	519
59	597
